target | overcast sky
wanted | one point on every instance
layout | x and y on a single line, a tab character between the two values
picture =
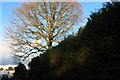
6	15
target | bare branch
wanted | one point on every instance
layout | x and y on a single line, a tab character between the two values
39	24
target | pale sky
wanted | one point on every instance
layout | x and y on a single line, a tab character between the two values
5	17
5	54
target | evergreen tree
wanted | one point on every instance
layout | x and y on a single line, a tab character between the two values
20	72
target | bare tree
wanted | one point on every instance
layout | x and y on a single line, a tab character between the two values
38	25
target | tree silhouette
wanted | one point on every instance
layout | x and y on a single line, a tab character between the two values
20	72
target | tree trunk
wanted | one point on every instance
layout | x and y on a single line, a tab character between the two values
50	44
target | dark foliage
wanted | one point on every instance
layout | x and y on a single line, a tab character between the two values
101	36
20	72
40	68
91	54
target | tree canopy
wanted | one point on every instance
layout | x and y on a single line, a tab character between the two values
40	25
